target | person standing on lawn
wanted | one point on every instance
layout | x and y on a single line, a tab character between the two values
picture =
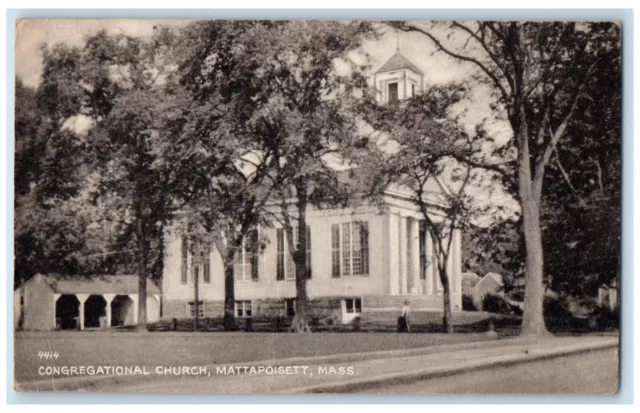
406	311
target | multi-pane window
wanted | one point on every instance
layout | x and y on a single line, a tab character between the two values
243	309
191	309
184	260
246	258
206	269
393	92
353	305
286	268
350	249
290	307
198	265
423	259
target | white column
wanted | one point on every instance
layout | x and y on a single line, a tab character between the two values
402	273
450	259
109	299
393	254
457	263
415	256
134	298
157	297
55	304
429	264
82	298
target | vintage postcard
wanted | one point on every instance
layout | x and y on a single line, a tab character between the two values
314	206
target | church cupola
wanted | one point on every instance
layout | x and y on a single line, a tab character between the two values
397	79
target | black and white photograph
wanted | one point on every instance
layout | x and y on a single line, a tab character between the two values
317	206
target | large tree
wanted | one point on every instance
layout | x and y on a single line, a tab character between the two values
581	209
419	140
131	105
221	76
541	75
270	105
305	123
46	173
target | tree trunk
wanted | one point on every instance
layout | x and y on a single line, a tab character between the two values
143	258
143	246
21	307
446	297
229	319
300	322
532	317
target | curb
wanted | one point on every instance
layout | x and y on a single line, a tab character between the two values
355	385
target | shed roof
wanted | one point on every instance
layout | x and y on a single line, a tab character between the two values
491	276
96	284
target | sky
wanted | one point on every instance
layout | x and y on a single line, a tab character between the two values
31	34
438	69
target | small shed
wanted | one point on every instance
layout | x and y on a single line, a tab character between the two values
608	296
59	302
469	281
491	283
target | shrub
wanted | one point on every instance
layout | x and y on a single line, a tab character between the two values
557	308
493	303
517	295
467	303
514	309
607	318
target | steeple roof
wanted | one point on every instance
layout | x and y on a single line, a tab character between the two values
397	62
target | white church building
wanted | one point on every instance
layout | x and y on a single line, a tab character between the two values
363	259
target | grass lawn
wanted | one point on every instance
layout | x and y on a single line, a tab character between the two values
95	348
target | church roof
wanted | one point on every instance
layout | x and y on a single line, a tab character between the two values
397	62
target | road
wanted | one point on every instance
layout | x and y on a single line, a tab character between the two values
595	372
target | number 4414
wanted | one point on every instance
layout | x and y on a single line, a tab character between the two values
48	355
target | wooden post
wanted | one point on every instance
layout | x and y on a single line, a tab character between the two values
196	296
55	305
109	299
134	298
82	298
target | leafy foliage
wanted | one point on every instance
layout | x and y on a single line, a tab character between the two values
494	303
419	146
467	303
271	107
542	76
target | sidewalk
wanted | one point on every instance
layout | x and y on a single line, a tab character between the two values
338	373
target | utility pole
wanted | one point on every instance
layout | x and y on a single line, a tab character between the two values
196	292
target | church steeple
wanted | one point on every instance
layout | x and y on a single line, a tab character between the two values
398	78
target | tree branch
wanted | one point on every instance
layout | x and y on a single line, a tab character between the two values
458	56
484	45
540	166
565	175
